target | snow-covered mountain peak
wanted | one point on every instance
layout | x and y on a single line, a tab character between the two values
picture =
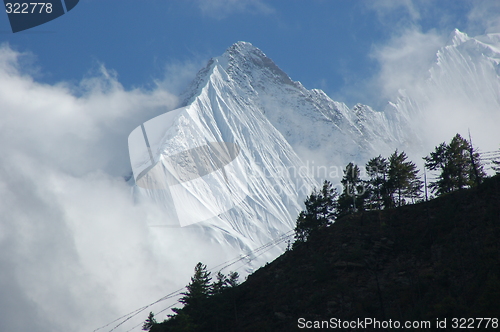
486	45
457	37
279	127
248	65
247	74
223	105
245	65
465	82
243	50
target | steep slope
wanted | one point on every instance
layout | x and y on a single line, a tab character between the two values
312	123
243	98
418	263
249	202
461	92
248	195
252	194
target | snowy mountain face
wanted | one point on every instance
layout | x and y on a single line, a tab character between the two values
242	98
237	159
461	93
250	199
311	122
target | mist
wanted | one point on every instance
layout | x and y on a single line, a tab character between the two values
77	251
443	91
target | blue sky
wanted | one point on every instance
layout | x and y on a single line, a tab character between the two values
323	44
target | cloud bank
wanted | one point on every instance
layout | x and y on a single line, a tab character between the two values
448	85
76	251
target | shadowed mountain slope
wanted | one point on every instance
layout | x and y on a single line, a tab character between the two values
437	259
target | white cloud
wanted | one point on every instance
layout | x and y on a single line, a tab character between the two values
220	9
178	75
405	60
484	17
76	252
447	92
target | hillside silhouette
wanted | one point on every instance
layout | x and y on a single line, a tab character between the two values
433	260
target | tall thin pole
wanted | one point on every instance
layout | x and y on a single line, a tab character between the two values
473	161
425	184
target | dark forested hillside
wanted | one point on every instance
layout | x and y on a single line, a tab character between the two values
434	260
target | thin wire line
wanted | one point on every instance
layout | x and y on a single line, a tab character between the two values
134	313
272	244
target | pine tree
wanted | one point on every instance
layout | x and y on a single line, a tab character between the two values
232	280
377	169
327	204
459	166
192	316
458	163
304	225
477	172
199	288
496	166
495	160
354	192
219	285
403	180
439	160
223	282
320	210
149	323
